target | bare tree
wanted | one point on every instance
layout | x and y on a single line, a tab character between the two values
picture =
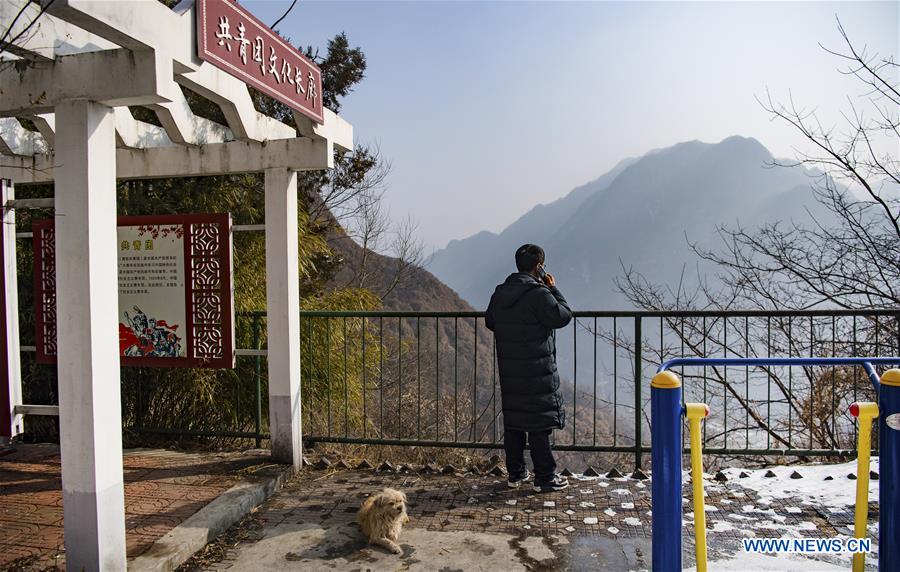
785	408
19	30
848	256
355	184
349	202
407	251
368	228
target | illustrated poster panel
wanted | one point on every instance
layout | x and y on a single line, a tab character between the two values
152	312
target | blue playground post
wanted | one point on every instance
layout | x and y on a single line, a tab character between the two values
889	477
665	411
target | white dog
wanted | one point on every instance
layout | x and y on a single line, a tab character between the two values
381	518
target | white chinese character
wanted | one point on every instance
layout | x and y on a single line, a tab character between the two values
243	41
298	80
273	64
224	32
311	89
286	72
258	54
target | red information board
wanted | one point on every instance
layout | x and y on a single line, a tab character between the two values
175	303
233	40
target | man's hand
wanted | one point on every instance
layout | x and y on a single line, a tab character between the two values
549	280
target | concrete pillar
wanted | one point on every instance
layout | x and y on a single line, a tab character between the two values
11	390
87	337
283	317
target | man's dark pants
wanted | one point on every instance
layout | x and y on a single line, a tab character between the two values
541	455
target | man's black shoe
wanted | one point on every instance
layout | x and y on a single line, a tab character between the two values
516	483
557	484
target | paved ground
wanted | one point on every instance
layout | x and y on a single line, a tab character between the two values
460	521
473	522
162	489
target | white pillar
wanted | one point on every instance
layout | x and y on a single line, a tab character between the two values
10	312
283	317
87	337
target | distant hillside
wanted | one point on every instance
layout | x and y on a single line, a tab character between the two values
641	215
418	289
461	364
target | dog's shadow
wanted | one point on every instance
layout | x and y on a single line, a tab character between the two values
345	542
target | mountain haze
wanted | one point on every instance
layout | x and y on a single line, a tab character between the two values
641	215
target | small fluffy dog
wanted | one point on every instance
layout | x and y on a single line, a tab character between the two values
381	518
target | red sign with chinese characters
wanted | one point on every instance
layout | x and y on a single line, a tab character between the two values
232	39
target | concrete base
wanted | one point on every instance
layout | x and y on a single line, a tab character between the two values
193	534
311	546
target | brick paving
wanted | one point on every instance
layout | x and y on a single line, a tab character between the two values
162	489
616	508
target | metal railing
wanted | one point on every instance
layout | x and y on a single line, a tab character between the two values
430	378
242	406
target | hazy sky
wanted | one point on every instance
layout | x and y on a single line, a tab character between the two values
486	109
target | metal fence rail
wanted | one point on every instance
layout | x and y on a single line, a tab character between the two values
430	378
241	393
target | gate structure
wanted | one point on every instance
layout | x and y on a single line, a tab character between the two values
78	65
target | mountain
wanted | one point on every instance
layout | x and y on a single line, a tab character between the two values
465	264
416	290
640	215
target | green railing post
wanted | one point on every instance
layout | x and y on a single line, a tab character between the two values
638	439
256	345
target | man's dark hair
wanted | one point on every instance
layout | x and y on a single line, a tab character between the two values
528	256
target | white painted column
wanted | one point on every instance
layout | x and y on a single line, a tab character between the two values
283	315
10	313
87	343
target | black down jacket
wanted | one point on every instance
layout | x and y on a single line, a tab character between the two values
523	313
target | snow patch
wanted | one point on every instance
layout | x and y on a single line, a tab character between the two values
839	492
721	526
762	563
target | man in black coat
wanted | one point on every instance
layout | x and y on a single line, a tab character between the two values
523	313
